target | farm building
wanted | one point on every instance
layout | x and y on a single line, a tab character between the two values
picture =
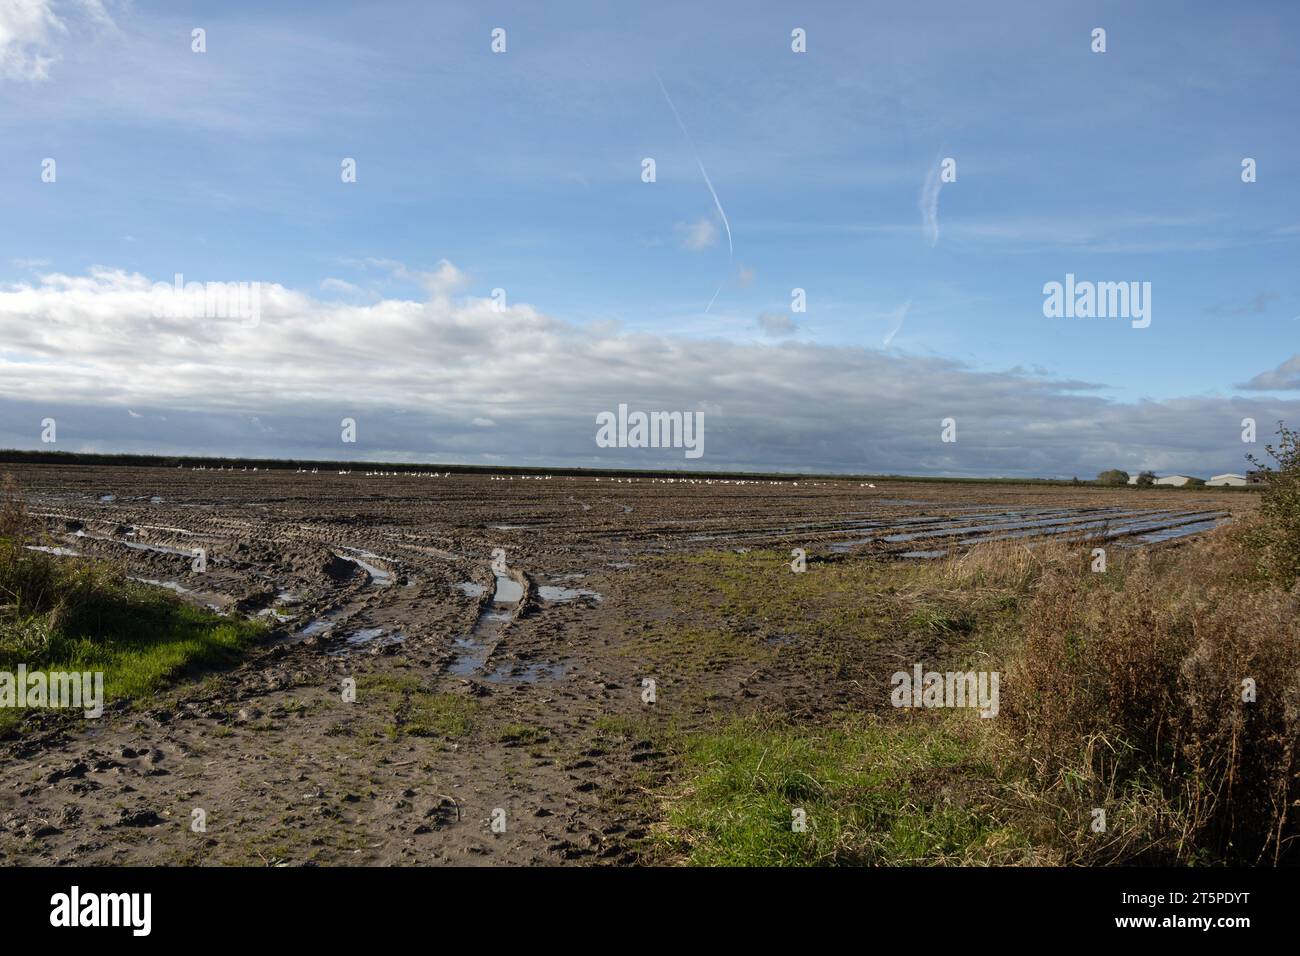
1228	479
1177	481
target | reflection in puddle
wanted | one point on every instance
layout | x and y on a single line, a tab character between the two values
475	647
156	548
470	589
550	592
509	591
169	585
321	624
369	639
1169	534
178	588
1086	523
61	552
378	576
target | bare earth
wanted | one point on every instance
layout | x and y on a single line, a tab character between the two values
475	692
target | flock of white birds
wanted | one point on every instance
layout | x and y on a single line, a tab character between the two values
617	481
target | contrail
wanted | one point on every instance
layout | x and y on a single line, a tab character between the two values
929	205
731	249
900	316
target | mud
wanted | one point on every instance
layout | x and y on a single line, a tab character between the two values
476	691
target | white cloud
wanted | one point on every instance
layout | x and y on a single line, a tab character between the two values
339	285
32	31
697	236
776	323
1285	377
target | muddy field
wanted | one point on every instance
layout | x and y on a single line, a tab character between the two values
499	630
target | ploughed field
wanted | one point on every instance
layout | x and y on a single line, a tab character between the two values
499	631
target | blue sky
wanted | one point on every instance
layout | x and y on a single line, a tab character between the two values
522	171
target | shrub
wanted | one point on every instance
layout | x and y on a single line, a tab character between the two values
1276	536
1113	477
1127	695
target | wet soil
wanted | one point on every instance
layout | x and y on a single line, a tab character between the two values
495	631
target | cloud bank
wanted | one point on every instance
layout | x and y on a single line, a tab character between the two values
455	378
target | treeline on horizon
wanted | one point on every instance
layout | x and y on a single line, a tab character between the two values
122	459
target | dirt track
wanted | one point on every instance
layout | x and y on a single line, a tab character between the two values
528	704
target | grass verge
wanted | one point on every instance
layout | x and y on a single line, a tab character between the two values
858	791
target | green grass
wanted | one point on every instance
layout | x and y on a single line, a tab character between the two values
521	734
416	711
874	793
59	615
749	609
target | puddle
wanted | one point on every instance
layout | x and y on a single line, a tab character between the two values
107	499
177	588
321	624
1166	528
378	576
964	526
1169	534
367	639
1086	523
550	592
509	591
369	554
156	548
475	647
470	589
61	552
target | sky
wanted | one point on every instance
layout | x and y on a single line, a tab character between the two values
500	271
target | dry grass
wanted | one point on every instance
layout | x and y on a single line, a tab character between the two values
1005	565
1127	695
